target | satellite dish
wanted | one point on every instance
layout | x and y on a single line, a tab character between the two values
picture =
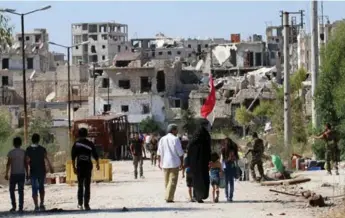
50	97
32	74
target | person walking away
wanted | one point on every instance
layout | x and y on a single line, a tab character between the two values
36	157
82	151
332	150
153	150
170	159
257	155
189	178
16	162
230	158
137	150
199	156
147	139
215	174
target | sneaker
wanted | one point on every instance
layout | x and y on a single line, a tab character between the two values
42	207
80	207
191	200
216	200
13	209
229	200
337	173
87	208
36	209
20	210
170	201
200	201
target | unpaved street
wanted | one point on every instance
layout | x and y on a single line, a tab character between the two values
145	198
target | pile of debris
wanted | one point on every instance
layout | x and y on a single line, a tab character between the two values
314	200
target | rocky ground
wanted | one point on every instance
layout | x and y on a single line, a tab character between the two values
145	198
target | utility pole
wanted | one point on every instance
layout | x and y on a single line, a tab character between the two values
321	34
287	103
314	59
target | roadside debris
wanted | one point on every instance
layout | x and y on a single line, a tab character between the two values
314	200
285	182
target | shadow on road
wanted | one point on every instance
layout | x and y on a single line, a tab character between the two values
76	212
263	201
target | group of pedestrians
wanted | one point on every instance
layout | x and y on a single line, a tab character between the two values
29	164
200	166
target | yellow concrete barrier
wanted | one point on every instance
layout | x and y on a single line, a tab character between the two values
105	172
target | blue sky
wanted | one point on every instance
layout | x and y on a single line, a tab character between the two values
176	19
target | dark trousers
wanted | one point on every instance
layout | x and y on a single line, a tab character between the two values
84	182
257	162
230	172
138	160
17	179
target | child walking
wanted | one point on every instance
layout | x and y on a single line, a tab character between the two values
189	179
215	174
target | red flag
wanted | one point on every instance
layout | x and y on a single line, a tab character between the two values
210	102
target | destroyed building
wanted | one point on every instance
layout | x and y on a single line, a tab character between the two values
105	41
185	50
141	88
38	60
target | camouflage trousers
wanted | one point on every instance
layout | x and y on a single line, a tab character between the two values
332	158
259	164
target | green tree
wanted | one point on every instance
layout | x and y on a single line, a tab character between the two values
188	120
330	92
242	116
43	128
149	125
5	30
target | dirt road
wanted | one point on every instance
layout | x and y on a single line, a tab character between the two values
145	198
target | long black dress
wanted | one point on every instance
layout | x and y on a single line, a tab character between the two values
199	156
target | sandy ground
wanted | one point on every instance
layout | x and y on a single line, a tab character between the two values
145	198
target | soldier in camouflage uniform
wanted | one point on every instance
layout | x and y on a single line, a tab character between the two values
332	151
257	155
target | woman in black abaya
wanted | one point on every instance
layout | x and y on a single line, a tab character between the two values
199	156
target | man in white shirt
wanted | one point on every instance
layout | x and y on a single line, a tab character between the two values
170	159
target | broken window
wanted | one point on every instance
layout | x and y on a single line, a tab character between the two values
103	57
93	58
189	55
84	27
105	83
85	37
93	49
124	108
19	38
169	52
258	59
145	108
27	38
30	63
145	84
93	37
153	54
206	45
119	48
189	45
273	55
77	47
160	81
177	103
93	28
37	38
104	36
160	53
103	46
106	107
4	81
122	63
178	52
5	63
125	84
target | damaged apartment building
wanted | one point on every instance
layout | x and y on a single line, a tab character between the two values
38	60
188	51
105	39
141	87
